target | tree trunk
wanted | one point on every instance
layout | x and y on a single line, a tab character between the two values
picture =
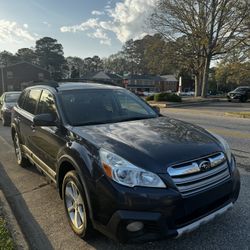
205	77
197	80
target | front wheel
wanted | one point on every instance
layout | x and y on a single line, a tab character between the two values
75	205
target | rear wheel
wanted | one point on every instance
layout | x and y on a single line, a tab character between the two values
22	161
75	205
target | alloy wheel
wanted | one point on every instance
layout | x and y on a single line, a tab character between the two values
18	148
74	205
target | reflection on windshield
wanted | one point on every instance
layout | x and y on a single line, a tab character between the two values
89	107
11	97
241	89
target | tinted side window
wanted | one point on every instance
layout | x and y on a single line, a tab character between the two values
21	99
31	100
46	103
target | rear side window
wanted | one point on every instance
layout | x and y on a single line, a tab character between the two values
21	99
31	100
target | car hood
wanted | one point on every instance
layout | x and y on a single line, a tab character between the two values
153	144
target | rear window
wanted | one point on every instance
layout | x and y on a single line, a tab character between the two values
11	97
31	100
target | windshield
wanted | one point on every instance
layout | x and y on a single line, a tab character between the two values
86	107
240	89
11	97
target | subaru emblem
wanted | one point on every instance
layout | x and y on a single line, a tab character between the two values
205	166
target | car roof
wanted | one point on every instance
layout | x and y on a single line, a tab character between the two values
247	87
84	85
59	87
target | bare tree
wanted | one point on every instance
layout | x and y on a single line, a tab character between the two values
211	28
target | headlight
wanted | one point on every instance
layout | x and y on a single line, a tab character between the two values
225	146
125	173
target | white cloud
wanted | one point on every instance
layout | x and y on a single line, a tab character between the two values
100	34
11	32
97	13
47	24
127	20
26	26
89	24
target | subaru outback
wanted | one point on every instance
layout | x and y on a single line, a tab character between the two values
121	167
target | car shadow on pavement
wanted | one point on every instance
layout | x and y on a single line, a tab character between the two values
32	231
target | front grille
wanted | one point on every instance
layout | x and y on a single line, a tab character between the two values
201	174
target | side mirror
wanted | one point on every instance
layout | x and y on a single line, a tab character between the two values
45	120
156	109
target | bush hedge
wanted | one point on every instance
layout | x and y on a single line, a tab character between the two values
167	97
150	98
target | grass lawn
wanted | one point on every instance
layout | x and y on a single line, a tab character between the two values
6	242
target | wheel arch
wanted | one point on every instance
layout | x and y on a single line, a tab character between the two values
67	163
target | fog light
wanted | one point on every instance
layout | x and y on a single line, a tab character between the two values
135	226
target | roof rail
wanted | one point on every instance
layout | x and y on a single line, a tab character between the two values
52	84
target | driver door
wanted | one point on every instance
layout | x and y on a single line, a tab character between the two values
47	140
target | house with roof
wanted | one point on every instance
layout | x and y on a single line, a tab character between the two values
20	75
104	77
151	83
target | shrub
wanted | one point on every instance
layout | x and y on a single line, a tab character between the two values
167	97
150	98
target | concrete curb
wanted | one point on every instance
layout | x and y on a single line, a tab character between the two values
12	223
212	113
238	115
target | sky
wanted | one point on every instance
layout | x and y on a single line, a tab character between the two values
84	27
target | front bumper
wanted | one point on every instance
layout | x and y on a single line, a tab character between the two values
164	213
234	97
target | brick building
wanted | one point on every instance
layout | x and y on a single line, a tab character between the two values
19	76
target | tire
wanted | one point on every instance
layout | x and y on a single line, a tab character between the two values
4	122
229	100
21	160
75	205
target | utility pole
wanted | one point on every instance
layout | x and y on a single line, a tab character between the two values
3	87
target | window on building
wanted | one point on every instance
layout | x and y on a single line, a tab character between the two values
10	87
9	74
40	76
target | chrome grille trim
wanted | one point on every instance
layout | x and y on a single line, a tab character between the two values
202	175
190	178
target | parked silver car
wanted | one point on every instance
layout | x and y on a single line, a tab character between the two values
7	102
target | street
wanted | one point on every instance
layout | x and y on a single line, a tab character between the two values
39	209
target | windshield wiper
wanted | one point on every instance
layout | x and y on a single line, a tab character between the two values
93	123
136	118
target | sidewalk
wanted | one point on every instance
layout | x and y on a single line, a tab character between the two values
186	101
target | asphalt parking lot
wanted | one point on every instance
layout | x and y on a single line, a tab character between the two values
39	210
223	106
